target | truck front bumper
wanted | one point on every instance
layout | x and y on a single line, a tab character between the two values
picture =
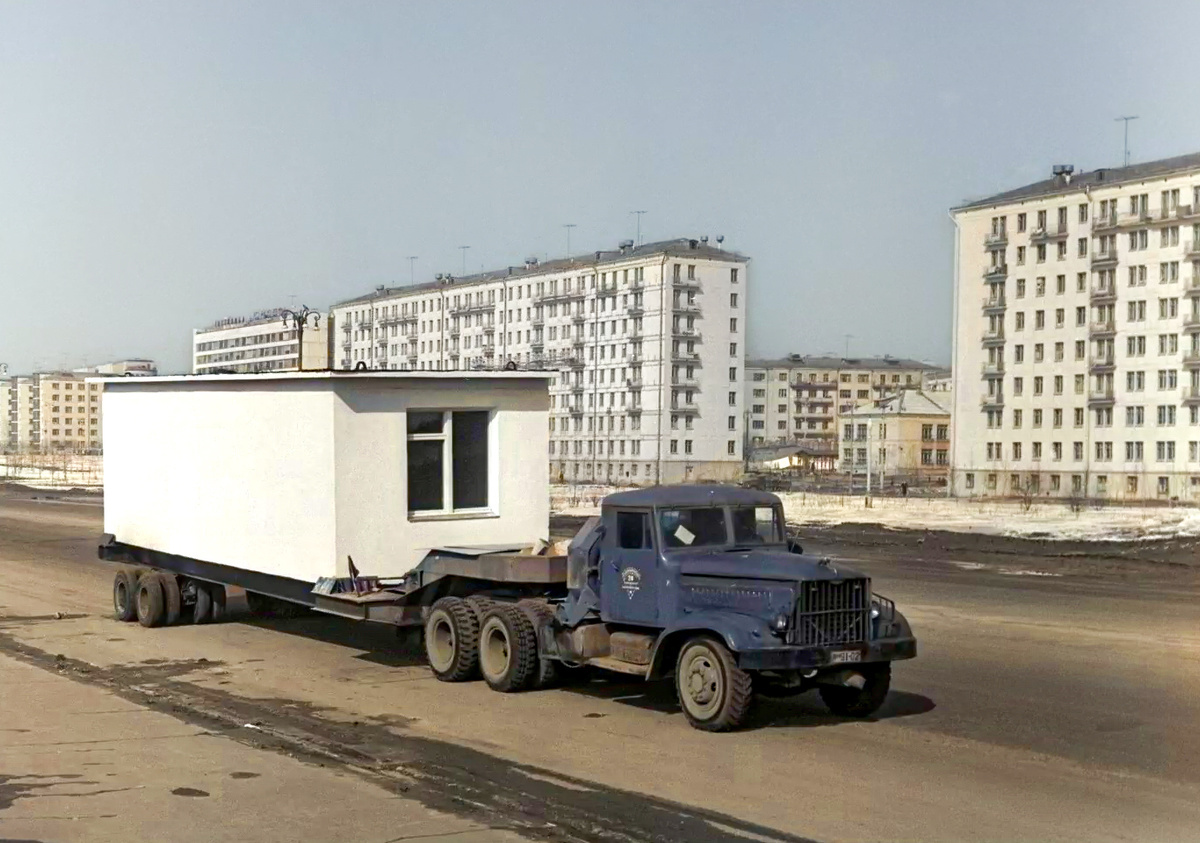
812	658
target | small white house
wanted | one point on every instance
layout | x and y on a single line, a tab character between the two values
289	474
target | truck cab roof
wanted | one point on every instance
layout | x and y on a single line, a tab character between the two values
690	496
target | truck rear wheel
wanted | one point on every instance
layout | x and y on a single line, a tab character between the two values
172	599
216	593
203	609
150	609
541	615
125	585
508	651
452	640
714	692
848	701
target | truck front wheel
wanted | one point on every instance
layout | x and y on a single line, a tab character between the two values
849	701
452	640
714	692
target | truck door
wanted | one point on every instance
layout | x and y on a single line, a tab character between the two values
629	570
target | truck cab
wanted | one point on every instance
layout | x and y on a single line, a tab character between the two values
703	581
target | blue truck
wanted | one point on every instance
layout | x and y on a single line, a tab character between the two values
699	583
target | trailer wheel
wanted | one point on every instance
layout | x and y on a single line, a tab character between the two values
216	594
508	651
541	615
859	702
714	692
150	609
125	595
172	599
452	640
479	605
204	604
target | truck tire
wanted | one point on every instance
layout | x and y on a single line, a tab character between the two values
216	594
541	615
172	599
859	702
203	609
150	609
125	585
508	652
714	692
452	640
479	605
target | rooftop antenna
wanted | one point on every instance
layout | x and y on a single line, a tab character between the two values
464	251
1127	119
638	214
568	226
412	271
848	338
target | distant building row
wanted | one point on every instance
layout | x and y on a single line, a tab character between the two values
59	412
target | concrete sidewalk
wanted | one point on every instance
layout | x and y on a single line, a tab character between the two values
78	763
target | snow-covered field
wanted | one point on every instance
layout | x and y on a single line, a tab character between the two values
1050	520
53	471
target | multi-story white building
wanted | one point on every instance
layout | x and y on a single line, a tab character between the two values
804	397
260	343
134	367
648	342
1077	336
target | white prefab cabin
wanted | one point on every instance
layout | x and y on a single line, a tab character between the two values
290	474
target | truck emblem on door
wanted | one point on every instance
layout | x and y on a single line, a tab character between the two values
631	580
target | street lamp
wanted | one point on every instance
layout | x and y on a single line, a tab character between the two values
299	319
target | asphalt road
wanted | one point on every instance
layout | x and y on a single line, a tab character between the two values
1055	698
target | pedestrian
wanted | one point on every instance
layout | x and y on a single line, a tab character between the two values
904	489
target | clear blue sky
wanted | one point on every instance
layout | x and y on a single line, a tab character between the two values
163	164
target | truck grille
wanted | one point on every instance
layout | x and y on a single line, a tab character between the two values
831	612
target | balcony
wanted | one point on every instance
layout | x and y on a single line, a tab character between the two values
1102	363
1193	248
406	317
577	389
686	283
692	334
1103	293
1048	233
578	342
346	327
1100	397
993	337
685	357
996	272
455	332
489	330
992	369
537	343
992	402
489	350
578	318
1191	359
684	382
1103	259
685	308
561	295
575	362
1191	322
994	304
1191	286
996	239
346	345
634	383
685	407
538	321
635	310
1191	395
576	410
1102	328
1103	223
634	409
477	307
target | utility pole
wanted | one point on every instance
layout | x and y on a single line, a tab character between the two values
464	262
412	269
1126	121
848	337
638	214
868	501
568	226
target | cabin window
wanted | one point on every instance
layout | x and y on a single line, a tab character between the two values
633	530
447	460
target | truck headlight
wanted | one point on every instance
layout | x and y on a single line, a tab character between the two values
874	611
780	624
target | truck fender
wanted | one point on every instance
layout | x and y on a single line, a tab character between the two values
739	632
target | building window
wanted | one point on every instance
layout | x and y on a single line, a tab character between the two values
731	445
970	480
448	460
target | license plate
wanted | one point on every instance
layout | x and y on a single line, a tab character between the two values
843	656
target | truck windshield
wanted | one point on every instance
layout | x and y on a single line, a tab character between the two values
693	527
756	525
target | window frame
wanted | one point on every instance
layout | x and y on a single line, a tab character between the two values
446	436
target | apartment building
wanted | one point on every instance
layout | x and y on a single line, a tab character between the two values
262	342
804	397
648	343
134	367
1077	336
53	412
904	437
